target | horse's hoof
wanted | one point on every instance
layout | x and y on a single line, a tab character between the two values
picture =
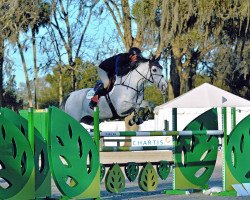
145	118
131	122
139	121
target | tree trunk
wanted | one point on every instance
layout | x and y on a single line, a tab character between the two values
25	73
60	87
35	67
192	73
73	76
193	64
1	70
174	76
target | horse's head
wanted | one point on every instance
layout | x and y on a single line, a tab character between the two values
156	75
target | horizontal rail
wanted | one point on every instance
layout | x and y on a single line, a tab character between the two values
138	163
157	133
139	148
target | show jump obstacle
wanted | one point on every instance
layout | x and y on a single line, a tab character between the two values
36	144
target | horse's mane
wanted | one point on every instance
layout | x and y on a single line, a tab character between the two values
143	60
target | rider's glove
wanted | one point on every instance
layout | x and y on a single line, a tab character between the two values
133	64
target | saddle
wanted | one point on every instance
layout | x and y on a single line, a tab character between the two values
101	91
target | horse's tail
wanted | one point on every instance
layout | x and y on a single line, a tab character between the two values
62	105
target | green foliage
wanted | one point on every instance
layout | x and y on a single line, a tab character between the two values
86	75
154	95
10	97
144	8
49	93
11	101
233	68
193	32
89	76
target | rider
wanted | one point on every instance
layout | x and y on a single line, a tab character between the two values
118	65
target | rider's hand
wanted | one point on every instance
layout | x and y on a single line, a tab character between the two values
133	64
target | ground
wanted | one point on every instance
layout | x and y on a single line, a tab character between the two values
132	191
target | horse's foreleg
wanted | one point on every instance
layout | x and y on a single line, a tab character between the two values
135	120
138	118
144	111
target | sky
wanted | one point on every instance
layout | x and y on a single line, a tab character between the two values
98	31
106	28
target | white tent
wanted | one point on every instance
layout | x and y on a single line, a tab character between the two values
197	101
205	95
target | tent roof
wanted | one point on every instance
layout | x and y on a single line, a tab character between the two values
205	95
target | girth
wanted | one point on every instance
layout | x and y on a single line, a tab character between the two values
112	108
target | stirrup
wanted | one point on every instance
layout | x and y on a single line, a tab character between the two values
93	102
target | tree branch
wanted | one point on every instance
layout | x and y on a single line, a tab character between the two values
85	29
116	22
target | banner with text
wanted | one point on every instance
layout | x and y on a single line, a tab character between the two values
152	141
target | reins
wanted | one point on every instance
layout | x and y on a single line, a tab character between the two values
138	92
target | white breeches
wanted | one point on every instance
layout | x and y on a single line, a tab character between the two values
104	77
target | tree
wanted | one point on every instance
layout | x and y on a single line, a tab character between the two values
16	19
1	68
86	74
44	10
187	36
122	17
5	14
71	20
153	95
10	98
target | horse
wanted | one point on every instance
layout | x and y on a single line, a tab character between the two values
126	96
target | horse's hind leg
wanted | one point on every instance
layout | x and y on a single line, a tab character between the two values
87	120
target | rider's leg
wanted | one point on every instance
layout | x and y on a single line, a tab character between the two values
99	89
104	77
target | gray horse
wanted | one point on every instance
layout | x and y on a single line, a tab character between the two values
125	97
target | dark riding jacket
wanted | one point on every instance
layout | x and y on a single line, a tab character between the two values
118	65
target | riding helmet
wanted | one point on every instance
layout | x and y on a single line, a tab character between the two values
134	51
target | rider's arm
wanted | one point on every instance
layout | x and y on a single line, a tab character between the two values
122	65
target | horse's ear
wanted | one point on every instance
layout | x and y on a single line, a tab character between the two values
153	58
158	58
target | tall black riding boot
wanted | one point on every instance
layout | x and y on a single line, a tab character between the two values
98	90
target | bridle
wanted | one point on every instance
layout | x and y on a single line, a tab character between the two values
143	77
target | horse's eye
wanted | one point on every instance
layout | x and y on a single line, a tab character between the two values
154	70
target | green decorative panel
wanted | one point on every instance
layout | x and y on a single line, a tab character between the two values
16	163
115	180
73	156
206	121
163	169
148	179
42	170
131	171
20	122
237	154
195	156
103	170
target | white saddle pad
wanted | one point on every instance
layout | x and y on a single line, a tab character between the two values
90	94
